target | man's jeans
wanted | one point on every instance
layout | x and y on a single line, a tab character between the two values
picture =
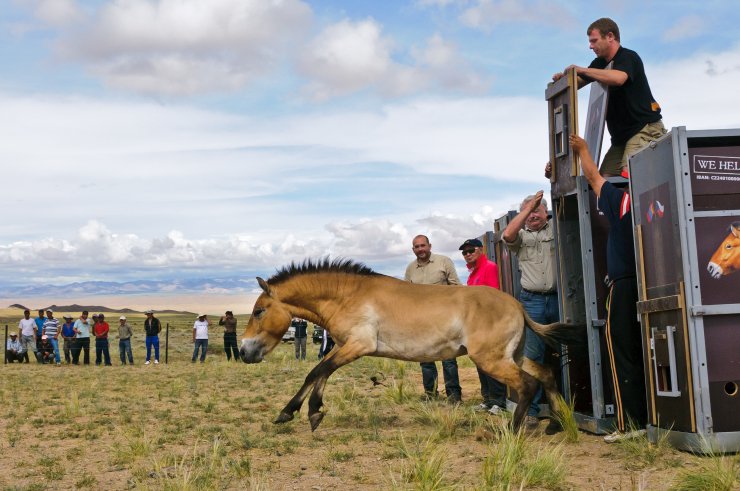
544	310
429	377
101	348
81	344
55	343
152	341
124	348
29	343
231	346
300	348
200	343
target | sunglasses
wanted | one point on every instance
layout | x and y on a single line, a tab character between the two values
468	251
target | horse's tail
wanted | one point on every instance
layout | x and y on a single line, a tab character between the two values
558	333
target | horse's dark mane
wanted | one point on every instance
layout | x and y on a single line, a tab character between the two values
324	265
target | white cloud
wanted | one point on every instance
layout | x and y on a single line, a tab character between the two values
180	47
56	12
348	56
351	56
486	14
687	27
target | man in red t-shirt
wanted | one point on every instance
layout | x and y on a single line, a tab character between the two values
484	273
101	330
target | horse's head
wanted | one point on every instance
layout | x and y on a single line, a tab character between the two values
726	259
269	321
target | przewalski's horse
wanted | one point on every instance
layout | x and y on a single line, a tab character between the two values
726	259
370	314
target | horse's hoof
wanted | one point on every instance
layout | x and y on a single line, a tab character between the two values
283	418
315	420
553	427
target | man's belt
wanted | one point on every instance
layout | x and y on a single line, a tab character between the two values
549	292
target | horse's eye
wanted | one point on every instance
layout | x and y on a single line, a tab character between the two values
728	246
258	312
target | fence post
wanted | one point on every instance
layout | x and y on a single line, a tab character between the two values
167	344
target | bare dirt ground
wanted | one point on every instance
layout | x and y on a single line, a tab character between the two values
193	426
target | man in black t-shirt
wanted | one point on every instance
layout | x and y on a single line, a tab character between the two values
632	115
623	335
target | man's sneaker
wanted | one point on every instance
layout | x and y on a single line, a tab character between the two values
482	407
146	362
618	436
531	422
496	410
156	362
59	364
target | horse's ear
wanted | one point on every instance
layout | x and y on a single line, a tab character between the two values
265	287
735	229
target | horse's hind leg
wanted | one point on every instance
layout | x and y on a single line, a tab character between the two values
512	375
544	374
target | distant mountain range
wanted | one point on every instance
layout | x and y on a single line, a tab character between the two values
97	308
138	287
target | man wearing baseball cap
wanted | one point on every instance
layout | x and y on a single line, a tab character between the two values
152	328
124	341
51	330
14	350
27	334
484	273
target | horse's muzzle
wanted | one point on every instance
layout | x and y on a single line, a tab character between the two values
251	351
715	270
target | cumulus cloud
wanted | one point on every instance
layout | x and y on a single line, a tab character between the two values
687	27
97	250
486	14
182	47
56	12
349	56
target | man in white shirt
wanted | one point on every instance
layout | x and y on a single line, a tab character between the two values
27	334
200	337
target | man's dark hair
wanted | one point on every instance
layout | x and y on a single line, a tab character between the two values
85	312
604	25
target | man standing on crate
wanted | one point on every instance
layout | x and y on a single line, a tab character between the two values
530	236
632	115
152	328
434	269
229	323
623	335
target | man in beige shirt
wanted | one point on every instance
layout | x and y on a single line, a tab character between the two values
434	269
529	235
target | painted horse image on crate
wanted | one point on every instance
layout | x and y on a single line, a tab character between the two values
726	259
370	314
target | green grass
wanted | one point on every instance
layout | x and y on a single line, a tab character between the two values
181	426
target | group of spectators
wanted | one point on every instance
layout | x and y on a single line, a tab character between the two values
42	335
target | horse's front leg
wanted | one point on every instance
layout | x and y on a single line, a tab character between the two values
297	401
338	358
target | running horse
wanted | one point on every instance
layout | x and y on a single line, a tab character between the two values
370	314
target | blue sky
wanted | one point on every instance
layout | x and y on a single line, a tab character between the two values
176	140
